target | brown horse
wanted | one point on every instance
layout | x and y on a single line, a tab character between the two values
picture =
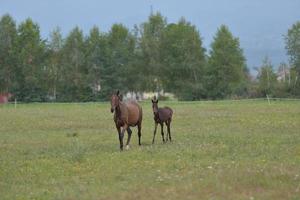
126	114
161	116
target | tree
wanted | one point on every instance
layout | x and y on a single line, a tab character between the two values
121	46
31	62
54	57
226	65
8	56
150	42
96	59
74	85
292	44
183	59
267	78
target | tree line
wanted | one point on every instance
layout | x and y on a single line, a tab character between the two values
154	56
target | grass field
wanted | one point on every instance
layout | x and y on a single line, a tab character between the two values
221	150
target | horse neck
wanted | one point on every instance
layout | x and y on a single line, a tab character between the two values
119	109
157	114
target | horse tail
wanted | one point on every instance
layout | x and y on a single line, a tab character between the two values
141	113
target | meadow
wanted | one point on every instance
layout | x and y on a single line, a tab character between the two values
220	150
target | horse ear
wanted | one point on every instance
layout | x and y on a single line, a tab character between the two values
118	92
152	100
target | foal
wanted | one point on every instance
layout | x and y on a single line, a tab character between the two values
161	116
126	114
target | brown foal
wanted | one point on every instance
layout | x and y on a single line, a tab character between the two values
161	116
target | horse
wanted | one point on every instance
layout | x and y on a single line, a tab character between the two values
126	115
4	97
161	116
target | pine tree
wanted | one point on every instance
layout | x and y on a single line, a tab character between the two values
226	65
183	61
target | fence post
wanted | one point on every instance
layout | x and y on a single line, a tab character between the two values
268	99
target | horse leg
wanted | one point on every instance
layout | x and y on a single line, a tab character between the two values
162	132
119	131
169	130
139	132
121	136
167	136
128	138
155	127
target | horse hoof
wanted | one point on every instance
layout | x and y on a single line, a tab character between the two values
127	147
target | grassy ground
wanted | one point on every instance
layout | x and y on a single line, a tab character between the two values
221	150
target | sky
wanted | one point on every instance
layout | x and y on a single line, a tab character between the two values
260	25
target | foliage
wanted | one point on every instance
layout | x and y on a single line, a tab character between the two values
150	51
292	40
184	60
31	62
8	42
267	78
155	56
54	63
96	61
120	72
226	65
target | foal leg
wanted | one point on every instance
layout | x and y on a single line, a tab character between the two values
162	132
155	127
169	130
139	132
128	138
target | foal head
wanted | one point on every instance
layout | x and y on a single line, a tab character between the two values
115	101
154	105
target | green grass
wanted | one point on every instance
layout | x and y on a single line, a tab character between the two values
221	150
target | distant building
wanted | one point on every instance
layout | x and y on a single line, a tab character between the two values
148	95
4	97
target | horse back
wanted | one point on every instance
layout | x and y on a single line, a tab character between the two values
165	113
134	113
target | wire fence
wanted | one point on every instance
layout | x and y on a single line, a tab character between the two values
260	99
268	99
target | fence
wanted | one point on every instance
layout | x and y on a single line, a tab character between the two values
15	103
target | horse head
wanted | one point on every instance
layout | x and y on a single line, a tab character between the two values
154	105
115	101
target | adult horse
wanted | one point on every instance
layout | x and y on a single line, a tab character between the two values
126	115
161	116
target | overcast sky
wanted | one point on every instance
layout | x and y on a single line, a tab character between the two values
259	24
